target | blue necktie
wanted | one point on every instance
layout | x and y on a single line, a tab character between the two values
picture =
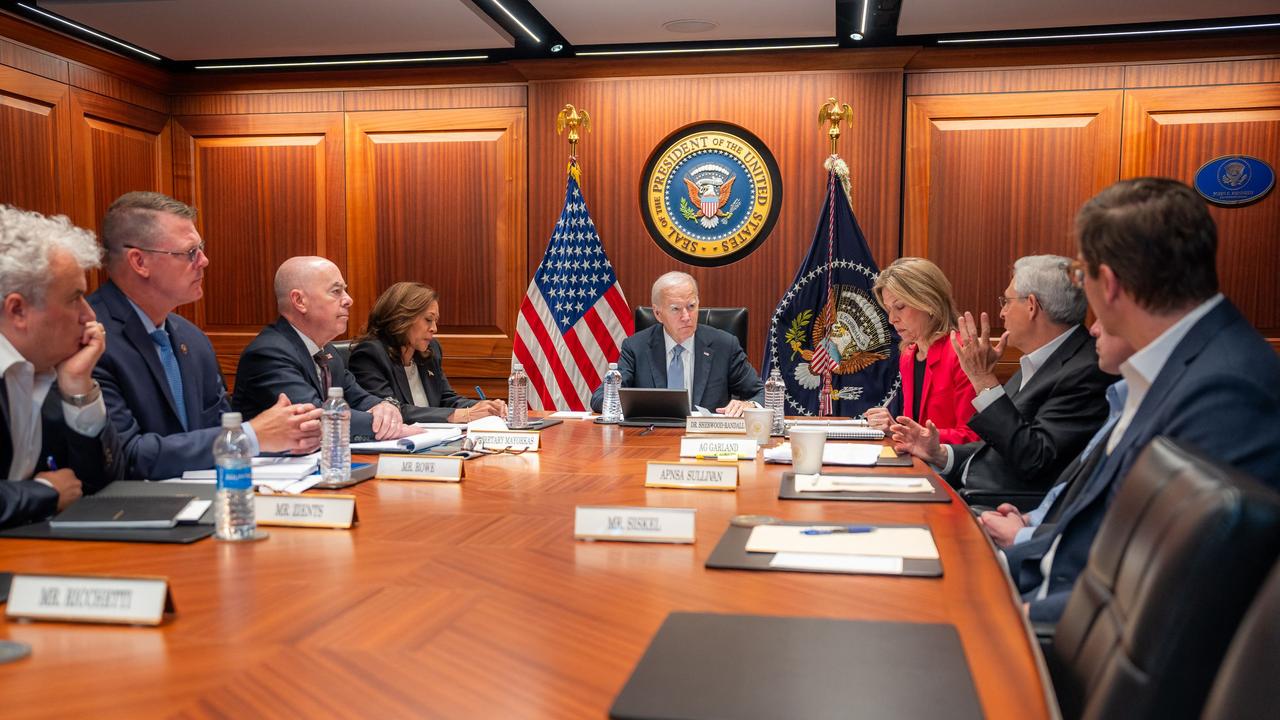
675	371
170	363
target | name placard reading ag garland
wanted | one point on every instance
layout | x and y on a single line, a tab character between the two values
692	475
718	447
98	599
634	524
701	424
323	511
419	467
505	439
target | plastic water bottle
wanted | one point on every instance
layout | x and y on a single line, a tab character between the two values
775	398
335	438
517	398
233	506
612	404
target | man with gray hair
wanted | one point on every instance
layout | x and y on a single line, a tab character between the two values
707	363
55	441
1034	425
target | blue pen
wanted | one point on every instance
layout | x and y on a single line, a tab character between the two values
837	530
53	466
480	393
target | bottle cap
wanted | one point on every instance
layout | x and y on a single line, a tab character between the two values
232	420
516	366
335	392
613	366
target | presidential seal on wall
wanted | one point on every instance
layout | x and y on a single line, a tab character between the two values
710	194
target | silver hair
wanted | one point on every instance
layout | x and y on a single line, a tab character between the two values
670	281
131	219
27	239
1047	277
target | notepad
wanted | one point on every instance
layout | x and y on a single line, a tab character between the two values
273	469
837	431
413	443
861	483
900	542
124	513
832	454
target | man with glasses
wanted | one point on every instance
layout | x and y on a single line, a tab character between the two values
1033	426
159	376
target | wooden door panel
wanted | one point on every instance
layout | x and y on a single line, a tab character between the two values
35	127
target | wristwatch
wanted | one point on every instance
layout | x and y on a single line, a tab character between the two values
392	401
84	399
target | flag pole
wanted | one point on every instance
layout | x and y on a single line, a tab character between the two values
832	113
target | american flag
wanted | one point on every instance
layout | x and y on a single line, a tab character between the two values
574	316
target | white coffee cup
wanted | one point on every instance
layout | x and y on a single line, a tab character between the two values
759	423
806	449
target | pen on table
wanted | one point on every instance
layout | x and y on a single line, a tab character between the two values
647	430
53	466
480	393
837	530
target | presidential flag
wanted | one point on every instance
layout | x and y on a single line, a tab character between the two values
830	340
574	316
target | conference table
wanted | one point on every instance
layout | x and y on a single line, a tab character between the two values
474	600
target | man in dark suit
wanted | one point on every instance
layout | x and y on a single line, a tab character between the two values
295	356
709	363
1034	425
1200	375
159	375
55	441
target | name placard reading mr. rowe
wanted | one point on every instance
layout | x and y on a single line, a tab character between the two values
742	448
419	467
505	439
634	524
98	599
322	511
692	475
715	425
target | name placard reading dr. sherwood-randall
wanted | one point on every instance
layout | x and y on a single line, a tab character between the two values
505	439
325	511
634	524
692	475
102	599
719	425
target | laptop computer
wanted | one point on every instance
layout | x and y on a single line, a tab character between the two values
654	406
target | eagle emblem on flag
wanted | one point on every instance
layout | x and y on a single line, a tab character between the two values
846	337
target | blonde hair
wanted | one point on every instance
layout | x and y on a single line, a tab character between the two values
921	285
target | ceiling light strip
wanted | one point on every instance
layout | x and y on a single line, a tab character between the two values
94	33
709	50
1117	33
516	20
315	63
862	26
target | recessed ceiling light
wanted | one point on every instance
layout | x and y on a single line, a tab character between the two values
323	63
745	48
557	47
1113	33
855	36
690	26
94	33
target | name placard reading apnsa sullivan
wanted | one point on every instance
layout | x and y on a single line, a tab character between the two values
322	511
419	467
634	524
692	475
98	599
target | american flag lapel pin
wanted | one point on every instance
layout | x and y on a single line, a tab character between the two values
182	347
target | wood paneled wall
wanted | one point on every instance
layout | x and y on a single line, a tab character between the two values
427	175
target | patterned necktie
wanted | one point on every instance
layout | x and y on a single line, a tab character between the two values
675	371
170	363
322	359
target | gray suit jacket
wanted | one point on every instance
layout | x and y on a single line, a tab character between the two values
720	368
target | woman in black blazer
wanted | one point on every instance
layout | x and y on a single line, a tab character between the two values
399	346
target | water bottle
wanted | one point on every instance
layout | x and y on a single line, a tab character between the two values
517	398
612	404
233	507
775	398
335	439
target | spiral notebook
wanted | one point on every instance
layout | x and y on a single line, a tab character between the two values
844	432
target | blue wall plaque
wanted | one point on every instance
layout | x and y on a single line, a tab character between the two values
1234	179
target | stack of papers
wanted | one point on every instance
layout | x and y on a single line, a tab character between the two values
862	483
832	454
853	422
881	550
411	444
284	467
488	422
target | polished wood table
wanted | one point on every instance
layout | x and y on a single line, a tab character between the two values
474	601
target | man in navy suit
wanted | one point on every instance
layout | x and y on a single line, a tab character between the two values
55	440
295	357
1200	373
160	378
708	363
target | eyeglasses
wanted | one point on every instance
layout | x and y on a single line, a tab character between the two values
1003	300
1075	271
190	255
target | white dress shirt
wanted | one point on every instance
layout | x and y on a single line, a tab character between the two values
416	390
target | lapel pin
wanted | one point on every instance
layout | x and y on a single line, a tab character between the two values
182	347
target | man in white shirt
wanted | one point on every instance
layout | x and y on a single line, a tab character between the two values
55	441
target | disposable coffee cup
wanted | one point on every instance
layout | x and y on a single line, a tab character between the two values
806	449
759	423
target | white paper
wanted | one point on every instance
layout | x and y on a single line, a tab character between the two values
573	414
861	483
855	422
832	454
282	467
413	443
440	426
870	564
699	411
194	511
488	422
906	542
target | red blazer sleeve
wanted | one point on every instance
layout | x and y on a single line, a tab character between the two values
948	395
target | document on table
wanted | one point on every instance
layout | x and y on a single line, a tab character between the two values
862	483
901	542
832	454
854	422
823	562
488	422
290	468
413	443
573	414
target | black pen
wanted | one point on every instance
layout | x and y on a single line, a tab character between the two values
647	430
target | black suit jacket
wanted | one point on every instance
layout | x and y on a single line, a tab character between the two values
372	364
138	397
96	461
277	362
1031	435
720	368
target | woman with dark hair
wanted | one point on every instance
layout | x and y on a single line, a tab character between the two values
398	358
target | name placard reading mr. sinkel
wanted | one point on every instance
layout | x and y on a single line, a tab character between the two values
634	524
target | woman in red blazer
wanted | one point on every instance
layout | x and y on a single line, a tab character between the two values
917	297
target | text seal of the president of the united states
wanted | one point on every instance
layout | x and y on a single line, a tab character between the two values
710	193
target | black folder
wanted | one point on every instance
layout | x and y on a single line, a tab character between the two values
702	665
131	488
731	554
787	491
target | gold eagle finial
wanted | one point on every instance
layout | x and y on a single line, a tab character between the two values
572	118
833	113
